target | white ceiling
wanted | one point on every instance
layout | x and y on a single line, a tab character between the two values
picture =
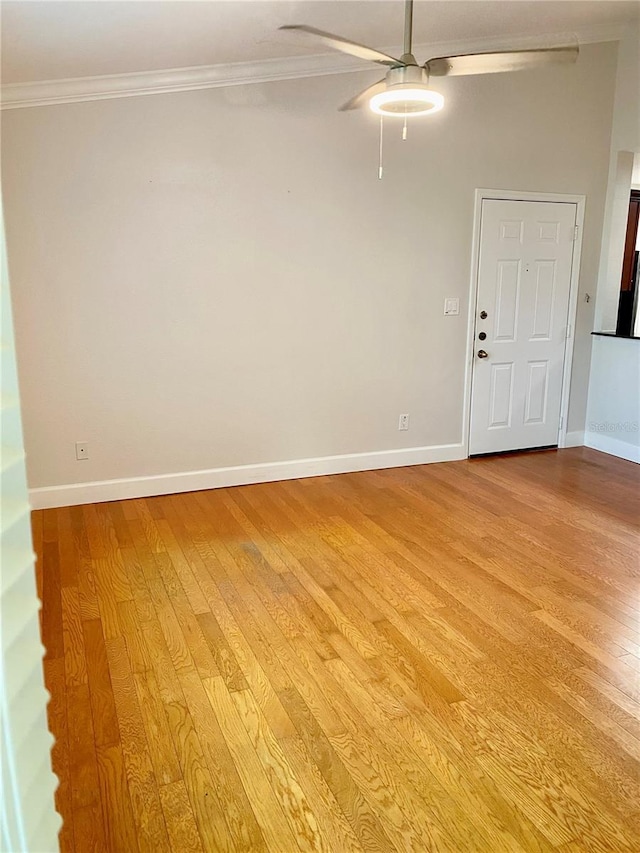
53	40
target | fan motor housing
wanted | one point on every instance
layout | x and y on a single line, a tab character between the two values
407	75
406	93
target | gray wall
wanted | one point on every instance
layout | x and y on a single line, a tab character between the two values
214	278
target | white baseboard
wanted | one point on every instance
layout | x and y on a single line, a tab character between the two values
574	439
239	475
613	446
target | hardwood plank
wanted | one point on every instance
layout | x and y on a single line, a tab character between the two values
161	663
401	809
131	629
88	830
66	548
562	809
50	526
607	774
425	677
120	828
360	815
177	645
268	809
147	524
75	662
497	819
420	659
201	653
602	718
182	568
87	594
225	660
617	697
332	822
100	533
207	809
150	827
88	824
120	524
105	720
250	674
159	741
280	774
52	626
112	586
242	825
178	815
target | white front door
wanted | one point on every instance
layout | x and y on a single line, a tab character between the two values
524	276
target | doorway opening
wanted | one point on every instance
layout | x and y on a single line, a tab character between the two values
628	320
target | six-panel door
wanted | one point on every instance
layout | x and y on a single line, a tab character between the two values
524	275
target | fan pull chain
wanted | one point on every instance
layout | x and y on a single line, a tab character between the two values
404	129
380	153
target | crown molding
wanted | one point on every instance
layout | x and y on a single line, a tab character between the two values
78	89
102	87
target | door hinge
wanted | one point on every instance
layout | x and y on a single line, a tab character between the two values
568	332
561	421
575	232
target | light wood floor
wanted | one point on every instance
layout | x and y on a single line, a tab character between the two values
438	658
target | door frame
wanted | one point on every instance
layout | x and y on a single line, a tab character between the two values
521	195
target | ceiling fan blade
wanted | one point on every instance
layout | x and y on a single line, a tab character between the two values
344	45
492	63
362	98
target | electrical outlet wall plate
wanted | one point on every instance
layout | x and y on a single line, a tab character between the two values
82	450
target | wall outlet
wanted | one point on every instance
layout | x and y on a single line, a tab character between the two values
82	450
403	422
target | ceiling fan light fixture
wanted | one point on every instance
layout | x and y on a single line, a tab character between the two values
406	101
404	91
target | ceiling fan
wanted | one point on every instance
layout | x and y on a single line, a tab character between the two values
404	91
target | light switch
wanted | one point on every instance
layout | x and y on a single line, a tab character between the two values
451	305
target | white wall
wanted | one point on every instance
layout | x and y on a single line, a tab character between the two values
217	278
29	821
613	424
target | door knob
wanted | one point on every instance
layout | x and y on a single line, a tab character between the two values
482	354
